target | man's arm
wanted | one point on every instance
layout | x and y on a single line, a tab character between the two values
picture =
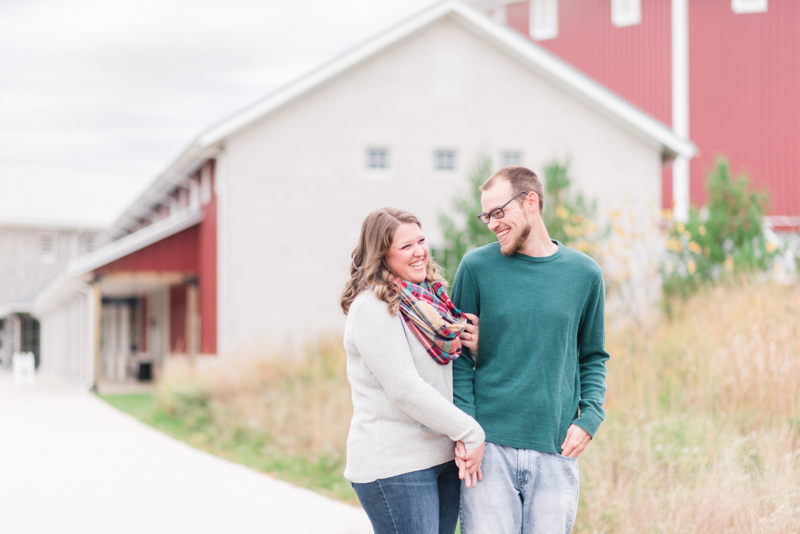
592	357
465	297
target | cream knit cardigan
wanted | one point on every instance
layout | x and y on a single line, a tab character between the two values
404	418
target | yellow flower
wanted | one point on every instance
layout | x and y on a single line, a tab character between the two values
702	230
674	245
691	266
728	263
666	214
694	247
616	214
562	212
681	228
771	247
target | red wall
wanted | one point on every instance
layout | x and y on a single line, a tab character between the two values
177	319
744	75
745	96
633	61
175	253
207	283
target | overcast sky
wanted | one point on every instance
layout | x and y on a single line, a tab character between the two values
130	83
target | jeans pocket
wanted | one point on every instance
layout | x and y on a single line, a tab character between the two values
567	458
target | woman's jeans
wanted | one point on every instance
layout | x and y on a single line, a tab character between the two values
523	491
420	502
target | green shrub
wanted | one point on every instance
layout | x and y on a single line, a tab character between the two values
569	216
724	238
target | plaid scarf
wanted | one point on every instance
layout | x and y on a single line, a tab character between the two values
432	318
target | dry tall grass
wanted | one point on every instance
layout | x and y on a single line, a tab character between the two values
300	404
703	415
703	425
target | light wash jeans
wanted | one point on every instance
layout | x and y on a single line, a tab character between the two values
523	492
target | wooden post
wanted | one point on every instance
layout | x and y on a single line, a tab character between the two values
191	320
98	311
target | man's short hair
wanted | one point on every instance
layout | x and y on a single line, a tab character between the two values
520	178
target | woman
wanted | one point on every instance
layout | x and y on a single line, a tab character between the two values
402	333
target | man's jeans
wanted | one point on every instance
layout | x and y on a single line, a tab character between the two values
523	491
420	502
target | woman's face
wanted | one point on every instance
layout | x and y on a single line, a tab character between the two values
408	254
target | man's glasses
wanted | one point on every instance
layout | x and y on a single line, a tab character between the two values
498	213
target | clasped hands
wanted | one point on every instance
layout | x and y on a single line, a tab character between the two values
469	464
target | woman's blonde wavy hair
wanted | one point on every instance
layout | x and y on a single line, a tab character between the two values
369	268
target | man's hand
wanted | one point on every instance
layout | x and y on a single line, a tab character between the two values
469	464
469	336
577	439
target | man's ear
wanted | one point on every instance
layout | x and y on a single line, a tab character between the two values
532	202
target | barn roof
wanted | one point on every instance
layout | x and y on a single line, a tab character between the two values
538	59
534	56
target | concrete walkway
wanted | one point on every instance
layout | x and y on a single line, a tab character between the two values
71	463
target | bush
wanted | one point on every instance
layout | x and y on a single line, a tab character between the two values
570	217
724	238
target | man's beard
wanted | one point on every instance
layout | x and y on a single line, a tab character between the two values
512	247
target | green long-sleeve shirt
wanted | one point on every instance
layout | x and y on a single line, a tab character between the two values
541	363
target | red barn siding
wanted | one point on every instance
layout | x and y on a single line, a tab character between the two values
633	61
144	325
666	185
745	96
177	319
176	253
207	283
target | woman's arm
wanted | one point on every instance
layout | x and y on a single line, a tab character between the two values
382	343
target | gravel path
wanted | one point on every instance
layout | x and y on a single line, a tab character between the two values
73	464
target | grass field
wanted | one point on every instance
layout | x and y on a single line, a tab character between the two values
702	431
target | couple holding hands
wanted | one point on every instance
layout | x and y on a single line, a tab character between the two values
480	405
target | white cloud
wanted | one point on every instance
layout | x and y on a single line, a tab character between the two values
132	82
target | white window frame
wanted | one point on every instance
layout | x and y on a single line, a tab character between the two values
504	157
626	12
48	254
543	19
377	173
445	171
373	151
749	6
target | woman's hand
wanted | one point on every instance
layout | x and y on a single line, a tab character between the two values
469	464
469	336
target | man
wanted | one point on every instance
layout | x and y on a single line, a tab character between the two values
538	383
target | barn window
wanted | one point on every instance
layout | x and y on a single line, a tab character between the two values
749	6
444	160
47	247
377	158
543	22
626	12
510	157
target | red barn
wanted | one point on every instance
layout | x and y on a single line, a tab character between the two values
725	73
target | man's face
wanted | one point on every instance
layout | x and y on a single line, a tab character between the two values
514	228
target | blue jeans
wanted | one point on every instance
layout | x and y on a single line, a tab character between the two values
523	492
420	502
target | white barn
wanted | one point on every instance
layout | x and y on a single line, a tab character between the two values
286	183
